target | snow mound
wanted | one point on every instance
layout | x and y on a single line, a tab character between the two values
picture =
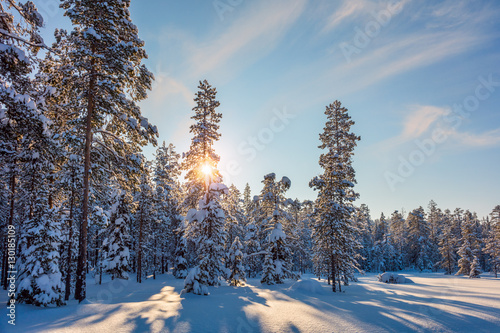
86	301
393	278
308	286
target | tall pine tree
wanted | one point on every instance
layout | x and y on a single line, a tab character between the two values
469	247
205	228
201	153
335	232
419	242
22	121
107	54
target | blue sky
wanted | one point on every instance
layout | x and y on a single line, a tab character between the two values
421	79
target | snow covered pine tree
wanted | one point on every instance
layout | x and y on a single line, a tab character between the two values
234	263
493	241
278	259
205	225
201	155
334	230
206	228
40	280
116	244
167	201
469	248
21	120
107	53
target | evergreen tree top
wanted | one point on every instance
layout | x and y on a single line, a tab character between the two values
201	160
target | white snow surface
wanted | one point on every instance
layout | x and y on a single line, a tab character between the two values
433	303
310	286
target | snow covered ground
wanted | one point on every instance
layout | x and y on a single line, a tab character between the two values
433	303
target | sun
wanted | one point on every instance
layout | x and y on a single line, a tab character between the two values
206	169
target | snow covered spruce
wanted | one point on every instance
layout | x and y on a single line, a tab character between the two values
334	229
277	263
234	264
116	245
206	229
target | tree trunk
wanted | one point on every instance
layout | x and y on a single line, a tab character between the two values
139	247
96	251
449	263
163	261
70	241
80	288
154	262
333	273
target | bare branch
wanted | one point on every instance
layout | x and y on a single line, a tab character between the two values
22	40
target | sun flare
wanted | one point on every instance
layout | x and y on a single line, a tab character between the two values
206	169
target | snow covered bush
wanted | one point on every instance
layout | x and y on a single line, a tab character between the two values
234	264
40	280
277	262
180	265
194	283
388	277
116	244
252	246
475	270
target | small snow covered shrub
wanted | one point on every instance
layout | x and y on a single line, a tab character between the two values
181	264
392	278
40	280
234	263
116	244
194	284
277	262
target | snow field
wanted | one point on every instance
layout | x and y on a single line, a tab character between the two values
433	303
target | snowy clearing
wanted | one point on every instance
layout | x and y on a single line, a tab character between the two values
433	303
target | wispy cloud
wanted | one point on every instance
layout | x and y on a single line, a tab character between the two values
481	140
166	87
248	38
405	44
347	10
415	51
420	120
391	53
226	50
351	10
423	120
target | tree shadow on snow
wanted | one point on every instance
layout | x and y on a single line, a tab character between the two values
397	310
221	311
413	307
